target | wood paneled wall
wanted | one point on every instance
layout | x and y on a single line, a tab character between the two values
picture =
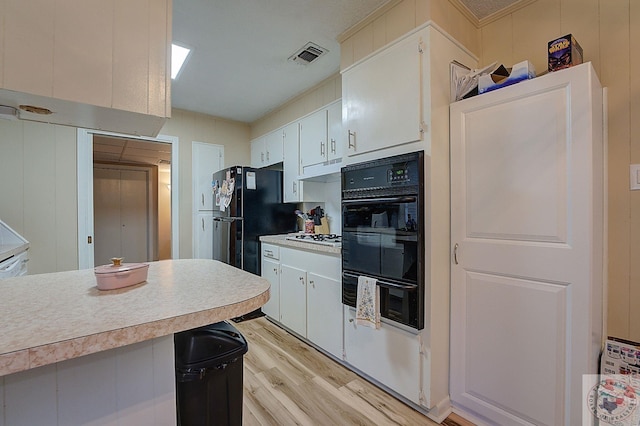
609	33
309	101
39	190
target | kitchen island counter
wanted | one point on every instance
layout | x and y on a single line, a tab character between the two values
49	318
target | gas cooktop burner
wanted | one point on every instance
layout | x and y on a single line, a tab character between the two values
325	239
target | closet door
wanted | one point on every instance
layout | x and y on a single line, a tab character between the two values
527	248
121	214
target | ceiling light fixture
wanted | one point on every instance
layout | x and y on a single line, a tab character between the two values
179	56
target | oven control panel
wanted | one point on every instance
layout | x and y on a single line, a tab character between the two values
398	174
387	176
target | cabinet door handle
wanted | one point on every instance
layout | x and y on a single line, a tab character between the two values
301	280
352	135
333	145
313	284
262	157
455	253
202	197
322	148
267	155
203	223
295	188
275	271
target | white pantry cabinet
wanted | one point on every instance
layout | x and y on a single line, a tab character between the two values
86	62
527	205
206	160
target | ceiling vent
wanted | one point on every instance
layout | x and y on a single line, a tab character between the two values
309	53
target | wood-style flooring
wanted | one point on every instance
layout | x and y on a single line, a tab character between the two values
287	382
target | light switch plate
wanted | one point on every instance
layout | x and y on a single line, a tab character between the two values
634	177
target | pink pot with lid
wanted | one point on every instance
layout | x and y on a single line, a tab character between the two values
118	274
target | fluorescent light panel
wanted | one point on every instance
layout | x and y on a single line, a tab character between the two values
178	57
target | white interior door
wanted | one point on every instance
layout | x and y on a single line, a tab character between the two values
526	227
121	215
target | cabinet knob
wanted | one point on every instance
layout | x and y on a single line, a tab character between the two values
350	319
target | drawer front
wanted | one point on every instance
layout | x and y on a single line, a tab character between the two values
270	251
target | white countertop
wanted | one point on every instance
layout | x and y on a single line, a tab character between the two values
280	240
48	318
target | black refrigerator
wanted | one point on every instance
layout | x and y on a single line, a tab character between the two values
248	204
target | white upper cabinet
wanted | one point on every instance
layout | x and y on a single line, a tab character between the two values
258	152
267	150
321	141
382	98
290	170
336	134
273	147
87	64
313	138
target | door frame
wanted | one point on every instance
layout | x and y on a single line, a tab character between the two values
85	192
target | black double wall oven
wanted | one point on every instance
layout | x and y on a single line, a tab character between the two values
383	234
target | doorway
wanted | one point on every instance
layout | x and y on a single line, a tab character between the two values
124	166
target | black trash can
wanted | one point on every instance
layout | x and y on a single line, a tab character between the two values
209	375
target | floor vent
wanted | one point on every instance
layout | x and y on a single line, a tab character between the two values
309	53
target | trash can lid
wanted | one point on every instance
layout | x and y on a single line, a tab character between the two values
209	346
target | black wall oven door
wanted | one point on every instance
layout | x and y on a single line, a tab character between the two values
383	237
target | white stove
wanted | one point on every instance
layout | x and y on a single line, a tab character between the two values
331	240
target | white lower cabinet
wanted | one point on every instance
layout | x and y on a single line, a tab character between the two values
293	298
306	288
389	355
271	271
324	313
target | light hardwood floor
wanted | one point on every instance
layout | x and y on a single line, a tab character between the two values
287	382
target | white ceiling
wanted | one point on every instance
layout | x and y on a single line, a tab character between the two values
239	66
